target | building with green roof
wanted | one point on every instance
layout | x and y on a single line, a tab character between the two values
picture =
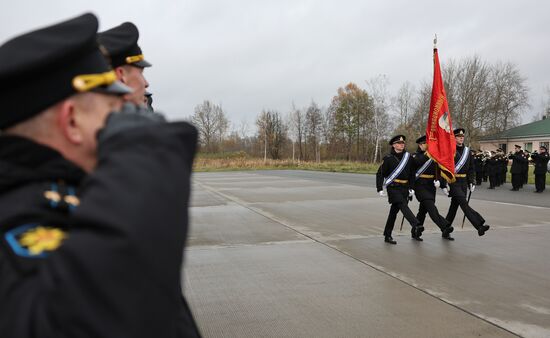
529	136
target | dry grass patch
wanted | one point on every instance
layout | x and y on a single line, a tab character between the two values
228	163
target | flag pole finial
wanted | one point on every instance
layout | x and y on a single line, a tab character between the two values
435	41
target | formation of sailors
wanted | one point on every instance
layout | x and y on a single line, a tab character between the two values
402	176
492	166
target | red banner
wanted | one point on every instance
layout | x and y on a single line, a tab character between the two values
439	131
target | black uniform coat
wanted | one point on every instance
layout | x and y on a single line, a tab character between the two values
117	270
492	166
424	188
460	187
397	192
478	162
541	162
518	162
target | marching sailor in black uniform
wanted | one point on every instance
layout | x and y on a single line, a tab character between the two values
464	173
540	160
425	188
396	174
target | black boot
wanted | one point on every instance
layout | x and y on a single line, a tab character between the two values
482	229
415	234
418	230
417	238
447	230
447	237
389	239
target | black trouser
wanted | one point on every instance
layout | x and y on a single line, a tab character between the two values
395	208
493	181
479	177
540	181
498	179
517	181
460	200
428	206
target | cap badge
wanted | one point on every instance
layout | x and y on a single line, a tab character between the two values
134	58
86	82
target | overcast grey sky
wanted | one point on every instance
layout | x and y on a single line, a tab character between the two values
250	55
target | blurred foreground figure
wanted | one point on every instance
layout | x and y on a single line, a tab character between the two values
93	204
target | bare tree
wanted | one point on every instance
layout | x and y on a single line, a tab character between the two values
296	127
351	108
313	120
483	98
509	96
421	109
467	85
212	124
404	102
378	90
272	132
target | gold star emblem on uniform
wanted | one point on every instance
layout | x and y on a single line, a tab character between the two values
40	239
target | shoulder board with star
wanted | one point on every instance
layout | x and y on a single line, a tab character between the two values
61	197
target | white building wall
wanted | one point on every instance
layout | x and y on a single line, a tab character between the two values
534	143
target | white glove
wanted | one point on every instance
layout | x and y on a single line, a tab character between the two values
437	184
445	191
472	187
382	193
411	193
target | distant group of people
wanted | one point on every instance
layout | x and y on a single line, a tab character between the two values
493	166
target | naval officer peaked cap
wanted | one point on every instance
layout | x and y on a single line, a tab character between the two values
459	131
45	66
121	44
421	139
397	138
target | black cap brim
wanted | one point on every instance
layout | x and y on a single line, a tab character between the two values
115	88
142	64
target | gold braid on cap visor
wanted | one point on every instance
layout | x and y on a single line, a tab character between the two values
134	58
87	82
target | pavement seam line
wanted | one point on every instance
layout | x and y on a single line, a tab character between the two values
366	263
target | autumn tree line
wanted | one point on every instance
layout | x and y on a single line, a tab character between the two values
485	98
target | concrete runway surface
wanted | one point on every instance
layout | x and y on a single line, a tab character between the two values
301	254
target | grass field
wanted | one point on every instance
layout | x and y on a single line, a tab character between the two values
232	162
240	161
